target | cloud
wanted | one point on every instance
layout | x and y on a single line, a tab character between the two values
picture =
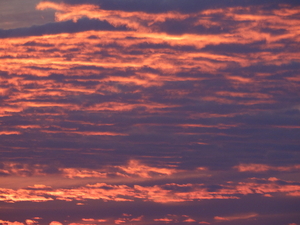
55	223
142	105
188	6
210	22
137	169
31	222
163	220
133	169
237	217
57	28
263	168
9	132
167	193
11	223
20	169
189	220
93	220
82	173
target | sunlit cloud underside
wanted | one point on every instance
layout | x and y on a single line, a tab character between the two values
123	114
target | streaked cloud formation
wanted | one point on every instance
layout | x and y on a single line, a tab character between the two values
150	112
158	193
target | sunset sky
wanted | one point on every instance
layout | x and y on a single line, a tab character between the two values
149	112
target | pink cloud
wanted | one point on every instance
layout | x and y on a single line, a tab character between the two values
189	220
55	223
120	221
137	219
263	168
94	220
236	217
10	223
135	168
167	193
30	222
163	220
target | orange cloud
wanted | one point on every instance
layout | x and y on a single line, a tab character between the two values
10	223
163	194
118	106
27	222
55	223
131	19
50	76
81	173
120	221
263	168
23	169
94	220
189	220
167	193
237	217
135	168
219	126
137	219
9	132
18	60
163	220
86	133
30	222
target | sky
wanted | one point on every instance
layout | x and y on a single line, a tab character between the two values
149	112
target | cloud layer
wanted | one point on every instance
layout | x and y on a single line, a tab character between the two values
151	112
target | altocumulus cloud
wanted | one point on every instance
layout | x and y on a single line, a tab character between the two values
151	112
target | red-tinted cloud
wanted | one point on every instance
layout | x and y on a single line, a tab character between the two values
237	217
11	223
151	103
167	193
263	168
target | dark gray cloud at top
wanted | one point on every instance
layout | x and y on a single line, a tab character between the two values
17	14
69	26
187	6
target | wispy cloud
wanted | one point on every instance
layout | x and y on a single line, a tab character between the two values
167	193
237	217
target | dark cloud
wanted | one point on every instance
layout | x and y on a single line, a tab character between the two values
235	48
188	6
178	27
57	28
273	31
